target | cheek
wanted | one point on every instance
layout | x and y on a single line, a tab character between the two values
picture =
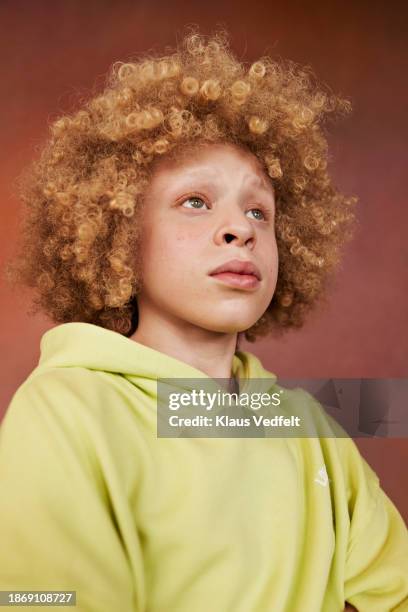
274	260
170	252
270	256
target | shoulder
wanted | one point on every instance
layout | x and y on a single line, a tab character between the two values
74	401
61	387
69	416
314	421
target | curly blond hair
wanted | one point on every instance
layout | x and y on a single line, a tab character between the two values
79	247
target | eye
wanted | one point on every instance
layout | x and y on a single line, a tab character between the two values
193	199
264	214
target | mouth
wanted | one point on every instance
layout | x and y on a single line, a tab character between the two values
238	273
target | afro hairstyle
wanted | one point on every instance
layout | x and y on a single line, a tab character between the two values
82	196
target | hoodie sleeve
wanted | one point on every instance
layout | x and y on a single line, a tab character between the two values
376	573
57	527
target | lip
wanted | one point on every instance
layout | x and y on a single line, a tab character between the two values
241	281
238	273
238	266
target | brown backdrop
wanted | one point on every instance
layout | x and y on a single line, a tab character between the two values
53	51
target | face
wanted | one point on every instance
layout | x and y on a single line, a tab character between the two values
201	213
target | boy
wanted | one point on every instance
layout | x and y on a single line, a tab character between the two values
188	203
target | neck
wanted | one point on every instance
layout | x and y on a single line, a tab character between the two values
208	351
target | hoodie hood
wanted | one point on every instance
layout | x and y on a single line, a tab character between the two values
93	347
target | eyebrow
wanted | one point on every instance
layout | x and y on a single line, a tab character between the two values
257	182
207	176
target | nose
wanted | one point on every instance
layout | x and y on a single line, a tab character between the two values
236	228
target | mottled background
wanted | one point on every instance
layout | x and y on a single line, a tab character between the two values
53	52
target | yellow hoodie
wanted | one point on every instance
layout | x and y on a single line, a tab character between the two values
92	501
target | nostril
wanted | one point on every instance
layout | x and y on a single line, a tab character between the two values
229	237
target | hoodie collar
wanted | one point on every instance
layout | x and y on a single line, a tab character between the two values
86	345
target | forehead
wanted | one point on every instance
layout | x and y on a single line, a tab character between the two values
207	157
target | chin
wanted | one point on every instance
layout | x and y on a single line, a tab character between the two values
228	327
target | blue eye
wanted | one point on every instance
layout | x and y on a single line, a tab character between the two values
259	210
196	199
